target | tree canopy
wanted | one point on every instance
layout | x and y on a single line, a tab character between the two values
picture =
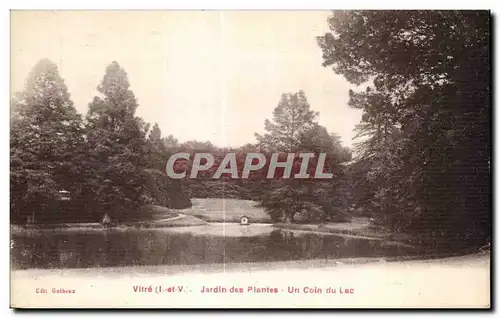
46	132
425	113
291	118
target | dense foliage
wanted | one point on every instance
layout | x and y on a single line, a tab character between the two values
46	133
294	129
424	161
64	168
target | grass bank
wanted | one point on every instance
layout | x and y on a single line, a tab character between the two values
226	210
148	216
355	228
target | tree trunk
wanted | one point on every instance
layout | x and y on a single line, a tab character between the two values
33	216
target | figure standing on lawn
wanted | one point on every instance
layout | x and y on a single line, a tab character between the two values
106	220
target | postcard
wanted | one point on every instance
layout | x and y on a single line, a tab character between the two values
250	159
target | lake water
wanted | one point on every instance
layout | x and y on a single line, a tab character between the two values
185	246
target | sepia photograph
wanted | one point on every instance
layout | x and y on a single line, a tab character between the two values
334	159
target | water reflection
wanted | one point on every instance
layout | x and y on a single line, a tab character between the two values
160	247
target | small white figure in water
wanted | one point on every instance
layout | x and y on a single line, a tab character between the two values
244	220
106	220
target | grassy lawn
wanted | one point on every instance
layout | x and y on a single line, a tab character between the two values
226	210
153	213
188	220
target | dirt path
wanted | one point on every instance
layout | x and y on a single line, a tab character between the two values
178	217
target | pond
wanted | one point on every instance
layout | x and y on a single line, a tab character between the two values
185	246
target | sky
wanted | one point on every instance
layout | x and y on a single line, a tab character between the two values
203	75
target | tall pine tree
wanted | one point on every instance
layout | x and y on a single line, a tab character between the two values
116	148
427	116
46	133
291	118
